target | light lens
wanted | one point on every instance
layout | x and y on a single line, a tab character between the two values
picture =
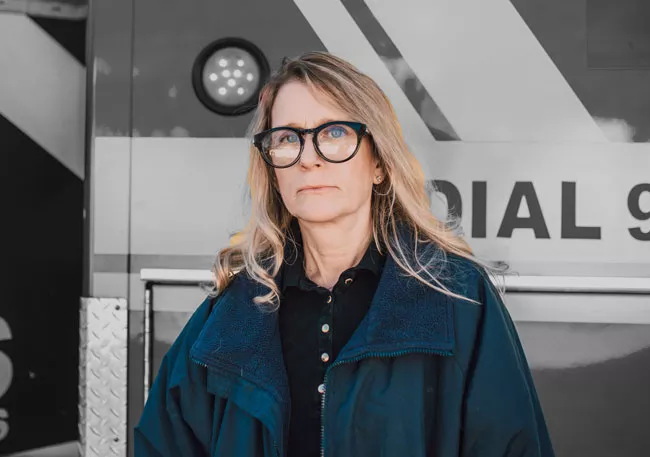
227	62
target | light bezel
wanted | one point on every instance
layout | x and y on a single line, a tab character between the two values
209	102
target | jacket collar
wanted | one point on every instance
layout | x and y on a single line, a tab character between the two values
244	342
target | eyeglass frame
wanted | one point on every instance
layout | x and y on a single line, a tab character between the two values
359	128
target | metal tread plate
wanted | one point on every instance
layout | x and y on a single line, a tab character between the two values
103	377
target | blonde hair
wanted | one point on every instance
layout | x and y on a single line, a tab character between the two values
399	199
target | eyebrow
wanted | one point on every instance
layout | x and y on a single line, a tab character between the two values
299	126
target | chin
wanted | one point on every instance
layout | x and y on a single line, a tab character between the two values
318	213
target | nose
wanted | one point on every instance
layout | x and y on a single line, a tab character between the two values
310	157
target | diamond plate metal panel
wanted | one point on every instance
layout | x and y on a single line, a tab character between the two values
103	377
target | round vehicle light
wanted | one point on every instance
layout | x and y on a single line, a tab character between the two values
228	75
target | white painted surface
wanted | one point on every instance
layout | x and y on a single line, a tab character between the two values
187	194
604	174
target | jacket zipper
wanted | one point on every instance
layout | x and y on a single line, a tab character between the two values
275	444
356	359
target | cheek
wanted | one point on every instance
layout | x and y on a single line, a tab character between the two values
357	182
360	171
284	181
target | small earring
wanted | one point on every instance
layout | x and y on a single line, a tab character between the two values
378	179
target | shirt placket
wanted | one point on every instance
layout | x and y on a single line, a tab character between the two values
325	332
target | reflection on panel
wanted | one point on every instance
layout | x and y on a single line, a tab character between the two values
173	306
593	382
167	326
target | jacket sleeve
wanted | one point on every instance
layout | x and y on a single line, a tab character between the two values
162	430
176	417
502	414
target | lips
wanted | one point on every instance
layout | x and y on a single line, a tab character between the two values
314	188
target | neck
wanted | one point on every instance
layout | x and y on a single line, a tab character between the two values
333	247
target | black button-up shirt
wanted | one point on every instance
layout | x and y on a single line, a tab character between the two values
315	324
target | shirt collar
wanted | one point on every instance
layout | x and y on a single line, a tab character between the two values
293	273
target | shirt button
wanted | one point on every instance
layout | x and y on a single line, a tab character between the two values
329	299
348	281
321	389
325	328
324	356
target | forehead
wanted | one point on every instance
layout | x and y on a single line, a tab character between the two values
298	105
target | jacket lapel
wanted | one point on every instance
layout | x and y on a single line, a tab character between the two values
243	341
404	315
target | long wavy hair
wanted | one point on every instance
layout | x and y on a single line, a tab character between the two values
401	199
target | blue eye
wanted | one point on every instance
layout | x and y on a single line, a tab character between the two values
336	131
289	138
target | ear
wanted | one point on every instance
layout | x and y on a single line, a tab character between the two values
379	170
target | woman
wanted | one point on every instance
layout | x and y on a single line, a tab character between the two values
348	321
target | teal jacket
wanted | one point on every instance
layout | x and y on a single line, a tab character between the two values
423	375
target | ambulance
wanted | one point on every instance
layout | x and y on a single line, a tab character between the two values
530	118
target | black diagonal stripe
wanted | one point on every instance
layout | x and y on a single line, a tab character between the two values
71	34
427	108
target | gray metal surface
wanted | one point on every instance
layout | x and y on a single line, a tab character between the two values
578	284
148	312
563	284
103	377
592	380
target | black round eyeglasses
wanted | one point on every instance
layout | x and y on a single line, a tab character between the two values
335	142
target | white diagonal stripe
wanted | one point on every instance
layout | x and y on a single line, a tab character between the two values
42	90
486	70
